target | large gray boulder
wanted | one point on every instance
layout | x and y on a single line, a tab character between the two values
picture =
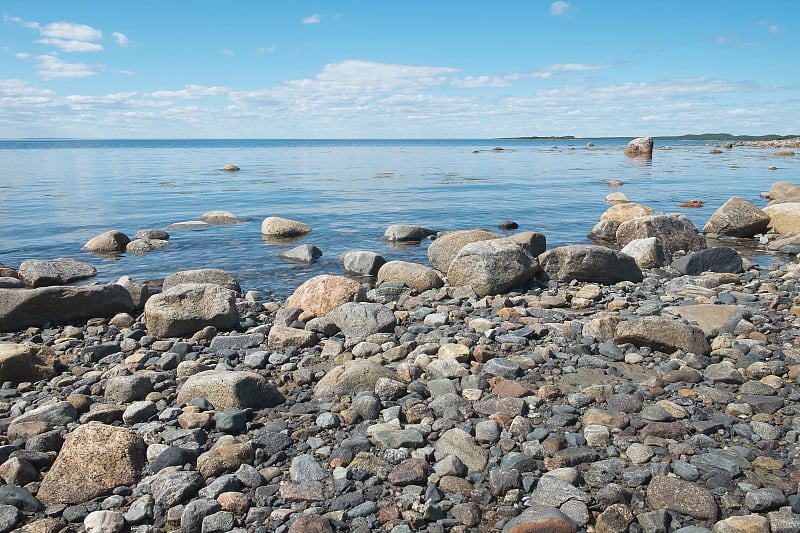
359	320
407	233
737	218
588	262
20	308
415	276
282	228
107	243
362	262
492	266
46	272
227	390
442	251
782	192
351	378
719	259
663	334
648	253
215	276
187	308
675	230
640	147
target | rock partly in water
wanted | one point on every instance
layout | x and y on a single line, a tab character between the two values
587	262
219	218
442	251
737	218
623	212
407	233
48	272
362	262
305	253
109	242
282	228
640	147
492	266
784	218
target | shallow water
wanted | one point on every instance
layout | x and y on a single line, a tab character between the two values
57	194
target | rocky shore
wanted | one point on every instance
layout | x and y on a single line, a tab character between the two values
503	387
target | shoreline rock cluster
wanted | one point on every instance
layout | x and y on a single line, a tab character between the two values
503	387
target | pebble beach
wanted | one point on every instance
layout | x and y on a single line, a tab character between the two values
504	386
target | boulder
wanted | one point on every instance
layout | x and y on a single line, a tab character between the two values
407	233
648	253
359	320
189	307
47	272
616	198
622	212
227	390
109	242
605	231
737	218
20	308
214	276
138	290
219	218
321	294
675	230
719	259
784	217
640	147
305	253
588	262
663	334
283	228
713	319
26	362
415	276
442	251
94	459
361	262
534	242
683	497
351	378
281	337
492	266
152	235
782	192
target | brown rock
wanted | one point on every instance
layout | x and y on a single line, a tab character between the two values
663	334
620	213
321	294
108	242
415	276
412	471
24	362
225	456
615	519
94	459
684	497
541	519
640	147
311	524
442	251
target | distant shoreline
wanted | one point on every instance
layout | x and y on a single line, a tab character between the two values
687	137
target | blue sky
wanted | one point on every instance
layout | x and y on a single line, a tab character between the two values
433	69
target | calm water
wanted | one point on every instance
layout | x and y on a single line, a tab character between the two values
57	194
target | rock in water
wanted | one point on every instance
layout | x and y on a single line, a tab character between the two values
279	227
108	242
407	233
719	259
305	253
361	262
47	272
640	147
784	217
737	218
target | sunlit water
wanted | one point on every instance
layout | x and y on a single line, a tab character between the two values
56	195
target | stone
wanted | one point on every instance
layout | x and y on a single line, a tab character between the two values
782	192
361	262
622	212
282	337
540	519
713	319
109	242
187	308
359	320
640	147
648	253
554	492
126	389
215	276
663	334
492	266
305	253
104	522
321	294
587	262
742	524
351	378
225	456
605	231
718	259
415	276
534	242
675	230
311	524
227	390
37	273
283	228
684	497
174	487
461	444
615	518
219	218
442	251
25	362
737	218
94	459
784	218
407	233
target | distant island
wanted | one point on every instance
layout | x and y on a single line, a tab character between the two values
687	137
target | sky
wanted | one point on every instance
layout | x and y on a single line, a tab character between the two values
390	70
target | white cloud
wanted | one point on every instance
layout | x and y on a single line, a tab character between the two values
559	8
52	67
228	53
774	29
17	88
71	31
191	92
122	39
312	19
72	45
267	50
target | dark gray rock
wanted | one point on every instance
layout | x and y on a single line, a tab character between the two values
719	259
587	262
47	272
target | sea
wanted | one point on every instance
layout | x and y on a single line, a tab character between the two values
56	194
